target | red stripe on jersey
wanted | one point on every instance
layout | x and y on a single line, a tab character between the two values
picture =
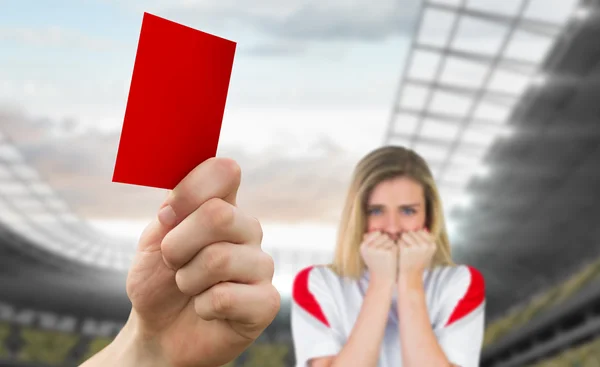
305	299
472	299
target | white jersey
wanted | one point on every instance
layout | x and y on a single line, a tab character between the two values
326	306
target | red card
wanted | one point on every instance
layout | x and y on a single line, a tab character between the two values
176	103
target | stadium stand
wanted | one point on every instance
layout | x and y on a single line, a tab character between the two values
542	303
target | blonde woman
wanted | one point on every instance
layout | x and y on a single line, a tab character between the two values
392	296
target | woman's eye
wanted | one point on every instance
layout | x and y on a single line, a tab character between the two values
408	211
374	211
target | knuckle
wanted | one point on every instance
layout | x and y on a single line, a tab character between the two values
258	230
221	299
272	302
268	264
214	258
219	213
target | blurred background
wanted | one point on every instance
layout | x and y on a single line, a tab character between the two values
502	97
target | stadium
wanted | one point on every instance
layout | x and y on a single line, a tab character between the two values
511	130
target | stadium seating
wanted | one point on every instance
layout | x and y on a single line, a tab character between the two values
538	305
586	355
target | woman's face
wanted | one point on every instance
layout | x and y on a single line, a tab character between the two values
396	206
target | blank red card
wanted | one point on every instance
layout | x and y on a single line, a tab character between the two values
176	103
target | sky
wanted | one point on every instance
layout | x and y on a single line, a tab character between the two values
311	92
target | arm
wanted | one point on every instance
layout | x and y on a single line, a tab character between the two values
419	343
364	344
457	337
127	350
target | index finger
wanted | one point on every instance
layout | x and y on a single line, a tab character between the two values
214	178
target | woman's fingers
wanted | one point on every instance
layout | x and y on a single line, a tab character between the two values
409	239
380	241
368	238
416	239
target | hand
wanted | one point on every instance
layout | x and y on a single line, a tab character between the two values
200	285
416	249
380	254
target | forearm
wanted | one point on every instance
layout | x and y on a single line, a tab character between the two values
364	344
419	344
127	350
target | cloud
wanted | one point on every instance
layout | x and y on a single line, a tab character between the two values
28	89
55	36
276	49
334	20
276	187
31	131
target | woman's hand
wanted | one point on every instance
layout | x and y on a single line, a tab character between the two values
415	251
380	254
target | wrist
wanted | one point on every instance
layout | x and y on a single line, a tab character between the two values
382	284
129	349
408	282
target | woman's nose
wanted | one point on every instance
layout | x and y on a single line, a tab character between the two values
393	227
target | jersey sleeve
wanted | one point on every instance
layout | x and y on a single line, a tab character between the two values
312	313
462	319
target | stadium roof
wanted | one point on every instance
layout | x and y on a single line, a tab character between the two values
32	209
469	65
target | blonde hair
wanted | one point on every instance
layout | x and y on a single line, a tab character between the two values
380	165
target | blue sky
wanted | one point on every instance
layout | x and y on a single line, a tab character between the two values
83	51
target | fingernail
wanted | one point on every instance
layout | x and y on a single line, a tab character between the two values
167	217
